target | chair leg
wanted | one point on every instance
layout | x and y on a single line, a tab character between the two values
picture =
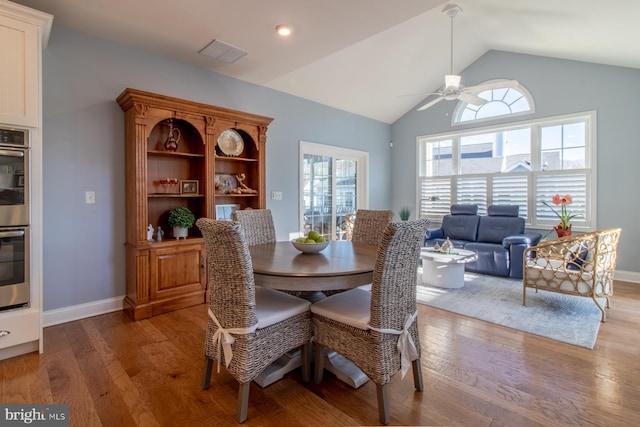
383	404
206	375
417	374
243	402
603	317
319	363
306	362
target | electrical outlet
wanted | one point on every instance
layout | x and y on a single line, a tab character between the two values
89	197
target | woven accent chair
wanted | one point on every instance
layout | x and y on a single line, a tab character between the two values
257	225
366	327
581	265
260	324
369	225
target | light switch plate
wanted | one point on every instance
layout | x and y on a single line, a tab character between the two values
90	197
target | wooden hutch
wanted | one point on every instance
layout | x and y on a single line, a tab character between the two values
216	165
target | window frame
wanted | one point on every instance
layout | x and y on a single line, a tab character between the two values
334	152
461	106
589	118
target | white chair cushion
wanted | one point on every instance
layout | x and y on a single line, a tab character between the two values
351	307
274	306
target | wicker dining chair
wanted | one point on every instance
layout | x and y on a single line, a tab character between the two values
257	225
366	327
369	225
248	327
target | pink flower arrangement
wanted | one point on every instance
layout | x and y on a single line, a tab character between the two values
564	215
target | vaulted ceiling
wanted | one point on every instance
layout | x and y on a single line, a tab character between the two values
360	56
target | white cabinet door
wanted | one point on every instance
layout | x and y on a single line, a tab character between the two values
19	65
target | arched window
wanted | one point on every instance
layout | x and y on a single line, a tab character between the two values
500	102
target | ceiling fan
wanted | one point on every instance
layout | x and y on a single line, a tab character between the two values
453	89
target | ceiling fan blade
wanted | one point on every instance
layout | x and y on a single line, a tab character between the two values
471	99
492	85
430	103
419	94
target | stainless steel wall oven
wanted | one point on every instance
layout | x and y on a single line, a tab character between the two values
14	218
14	274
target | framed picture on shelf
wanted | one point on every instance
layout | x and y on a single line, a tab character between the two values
189	186
223	212
20	180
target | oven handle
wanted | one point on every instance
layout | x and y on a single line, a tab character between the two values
12	153
14	233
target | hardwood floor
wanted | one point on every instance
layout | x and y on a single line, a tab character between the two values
115	372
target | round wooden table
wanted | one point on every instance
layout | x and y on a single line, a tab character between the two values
341	265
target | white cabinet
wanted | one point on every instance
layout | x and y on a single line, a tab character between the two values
20	332
23	34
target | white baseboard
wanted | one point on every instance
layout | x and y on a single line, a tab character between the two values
81	311
627	276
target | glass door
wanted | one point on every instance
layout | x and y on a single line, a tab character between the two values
333	185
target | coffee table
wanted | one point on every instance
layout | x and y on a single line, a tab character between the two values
445	270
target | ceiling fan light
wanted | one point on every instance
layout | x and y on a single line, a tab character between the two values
451	81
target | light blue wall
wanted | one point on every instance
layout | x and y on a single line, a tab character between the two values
558	87
83	150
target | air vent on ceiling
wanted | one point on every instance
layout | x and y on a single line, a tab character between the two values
223	51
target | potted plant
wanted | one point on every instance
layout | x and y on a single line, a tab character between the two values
181	219
404	213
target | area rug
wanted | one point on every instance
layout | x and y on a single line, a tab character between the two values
566	318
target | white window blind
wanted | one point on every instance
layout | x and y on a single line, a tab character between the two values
500	171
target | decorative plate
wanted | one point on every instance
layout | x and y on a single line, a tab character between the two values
230	143
224	183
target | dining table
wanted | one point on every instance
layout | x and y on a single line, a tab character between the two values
341	265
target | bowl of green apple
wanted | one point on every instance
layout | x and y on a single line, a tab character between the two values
312	243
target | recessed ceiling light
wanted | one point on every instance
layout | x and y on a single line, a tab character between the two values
283	30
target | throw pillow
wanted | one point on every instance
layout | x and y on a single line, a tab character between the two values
576	256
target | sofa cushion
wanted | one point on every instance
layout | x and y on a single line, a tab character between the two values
492	259
464	209
493	229
461	227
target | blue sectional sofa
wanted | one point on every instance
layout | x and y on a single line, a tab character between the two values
498	238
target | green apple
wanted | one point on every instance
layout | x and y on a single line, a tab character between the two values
313	235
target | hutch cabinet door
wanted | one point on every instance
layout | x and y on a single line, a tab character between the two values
177	270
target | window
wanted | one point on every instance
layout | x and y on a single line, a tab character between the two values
522	164
500	102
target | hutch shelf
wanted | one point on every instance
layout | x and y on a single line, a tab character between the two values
182	153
